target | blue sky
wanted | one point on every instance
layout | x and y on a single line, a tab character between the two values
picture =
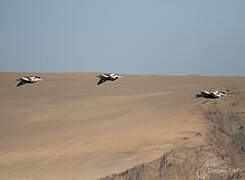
167	37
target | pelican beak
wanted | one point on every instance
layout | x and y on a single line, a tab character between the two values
40	79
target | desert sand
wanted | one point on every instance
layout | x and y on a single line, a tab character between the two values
67	127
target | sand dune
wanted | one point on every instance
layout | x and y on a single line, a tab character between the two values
67	127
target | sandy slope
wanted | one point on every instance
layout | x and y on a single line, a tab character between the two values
220	156
66	127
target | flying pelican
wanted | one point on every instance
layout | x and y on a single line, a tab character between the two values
28	79
211	95
107	77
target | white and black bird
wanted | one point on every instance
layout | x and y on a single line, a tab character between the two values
107	77
28	79
211	95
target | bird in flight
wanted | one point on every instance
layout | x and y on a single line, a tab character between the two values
211	95
107	77
28	79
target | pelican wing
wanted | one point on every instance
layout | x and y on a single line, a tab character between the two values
205	92
27	78
21	83
102	80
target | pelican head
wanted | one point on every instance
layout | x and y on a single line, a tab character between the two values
37	78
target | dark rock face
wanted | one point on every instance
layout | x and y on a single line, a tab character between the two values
225	145
228	118
184	163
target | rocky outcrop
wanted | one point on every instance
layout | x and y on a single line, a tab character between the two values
186	163
228	117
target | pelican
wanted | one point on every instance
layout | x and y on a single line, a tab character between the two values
211	95
107	77
28	79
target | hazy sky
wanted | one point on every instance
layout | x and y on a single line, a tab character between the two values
168	37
